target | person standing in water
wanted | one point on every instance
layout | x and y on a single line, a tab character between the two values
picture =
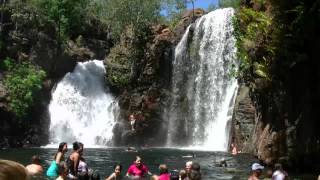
256	169
58	157
83	171
116	175
137	169
35	168
74	159
279	173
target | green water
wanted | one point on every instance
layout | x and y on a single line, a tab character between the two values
103	159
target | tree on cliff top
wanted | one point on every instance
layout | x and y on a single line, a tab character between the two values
135	13
68	16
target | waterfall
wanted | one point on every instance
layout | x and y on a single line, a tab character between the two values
81	108
203	90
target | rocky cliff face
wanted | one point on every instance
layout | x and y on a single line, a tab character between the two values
279	127
145	93
278	120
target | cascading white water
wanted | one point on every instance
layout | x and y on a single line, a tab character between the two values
81	108
202	87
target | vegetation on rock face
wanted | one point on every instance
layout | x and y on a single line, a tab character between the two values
255	48
271	32
132	22
22	81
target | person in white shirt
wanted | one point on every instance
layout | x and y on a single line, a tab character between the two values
279	173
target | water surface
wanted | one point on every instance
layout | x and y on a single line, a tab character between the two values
103	159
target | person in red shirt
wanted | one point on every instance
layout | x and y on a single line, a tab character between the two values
164	174
137	169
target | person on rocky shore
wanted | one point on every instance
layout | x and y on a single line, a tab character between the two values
132	120
256	171
35	167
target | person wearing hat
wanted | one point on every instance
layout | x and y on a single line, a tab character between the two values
256	170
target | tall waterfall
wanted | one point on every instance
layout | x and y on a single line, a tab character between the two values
81	107
203	90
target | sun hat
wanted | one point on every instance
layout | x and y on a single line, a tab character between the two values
256	166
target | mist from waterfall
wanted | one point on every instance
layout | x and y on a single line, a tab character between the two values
203	90
81	108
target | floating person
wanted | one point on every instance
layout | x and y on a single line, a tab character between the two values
223	163
279	173
53	170
138	169
189	156
131	149
256	170
11	170
116	174
35	167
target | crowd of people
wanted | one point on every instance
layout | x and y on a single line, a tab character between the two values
74	166
271	174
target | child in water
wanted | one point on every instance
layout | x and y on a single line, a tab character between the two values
116	174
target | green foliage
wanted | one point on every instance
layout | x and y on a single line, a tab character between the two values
67	15
7	64
23	81
173	11
119	78
252	30
121	59
138	14
229	3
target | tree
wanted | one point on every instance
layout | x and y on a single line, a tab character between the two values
67	15
137	14
23	81
229	3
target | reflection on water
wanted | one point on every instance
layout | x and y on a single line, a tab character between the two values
103	159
